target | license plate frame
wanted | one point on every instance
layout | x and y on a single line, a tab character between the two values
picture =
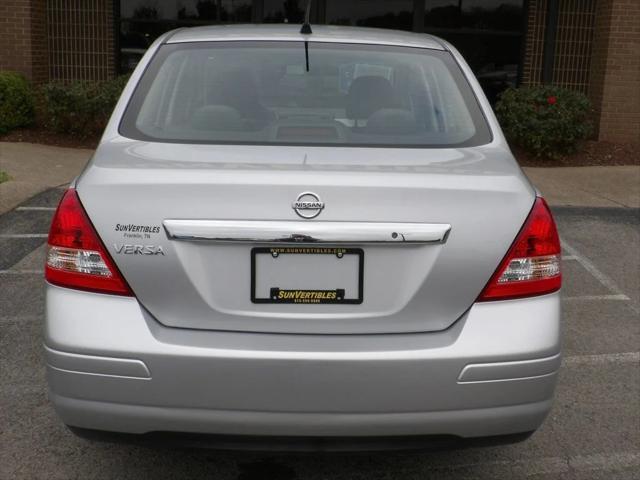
315	297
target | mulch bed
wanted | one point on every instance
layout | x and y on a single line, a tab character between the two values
47	137
592	152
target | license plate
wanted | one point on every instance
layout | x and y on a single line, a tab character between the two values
307	275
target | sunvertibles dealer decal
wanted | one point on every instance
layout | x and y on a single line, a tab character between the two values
132	230
307	296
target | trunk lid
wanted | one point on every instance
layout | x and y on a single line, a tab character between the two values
132	189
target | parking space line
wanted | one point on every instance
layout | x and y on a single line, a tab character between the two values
599	359
620	297
603	278
568	257
36	209
24	235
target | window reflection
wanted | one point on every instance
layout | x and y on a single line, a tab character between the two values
488	33
442	14
284	11
227	11
220	10
142	21
396	14
504	15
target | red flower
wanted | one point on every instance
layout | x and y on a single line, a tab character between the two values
552	100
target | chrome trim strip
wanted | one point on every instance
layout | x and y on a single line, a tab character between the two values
257	231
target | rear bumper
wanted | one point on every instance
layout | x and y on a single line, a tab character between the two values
112	367
270	443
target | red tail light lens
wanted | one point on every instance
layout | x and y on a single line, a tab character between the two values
76	258
532	265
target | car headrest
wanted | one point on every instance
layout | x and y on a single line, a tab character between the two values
238	85
368	94
392	121
238	89
217	117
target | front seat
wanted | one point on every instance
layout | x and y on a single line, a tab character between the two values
367	95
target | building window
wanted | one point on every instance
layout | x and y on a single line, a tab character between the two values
142	21
395	14
191	12
488	33
284	11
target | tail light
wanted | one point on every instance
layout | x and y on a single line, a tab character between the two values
76	258
532	264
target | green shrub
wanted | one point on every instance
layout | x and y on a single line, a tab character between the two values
80	108
546	121
16	101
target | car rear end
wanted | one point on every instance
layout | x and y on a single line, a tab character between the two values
338	246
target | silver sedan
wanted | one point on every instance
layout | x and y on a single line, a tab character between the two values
303	240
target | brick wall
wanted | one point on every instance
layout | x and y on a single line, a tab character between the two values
23	38
615	70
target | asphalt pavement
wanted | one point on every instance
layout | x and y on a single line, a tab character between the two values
593	431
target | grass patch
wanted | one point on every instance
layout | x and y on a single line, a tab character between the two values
4	177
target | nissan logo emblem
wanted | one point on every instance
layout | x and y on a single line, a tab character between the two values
308	205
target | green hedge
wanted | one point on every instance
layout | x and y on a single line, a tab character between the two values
16	101
546	121
80	108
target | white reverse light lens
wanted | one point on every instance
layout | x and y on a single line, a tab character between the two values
78	261
531	268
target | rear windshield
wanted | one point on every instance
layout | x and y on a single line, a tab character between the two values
276	93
